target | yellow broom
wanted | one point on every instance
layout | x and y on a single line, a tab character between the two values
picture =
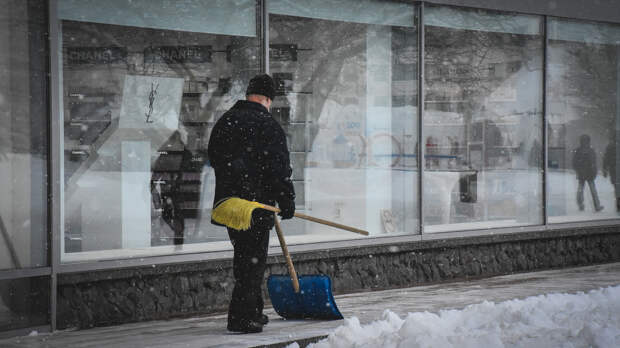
236	213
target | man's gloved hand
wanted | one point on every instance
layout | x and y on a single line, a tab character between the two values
287	208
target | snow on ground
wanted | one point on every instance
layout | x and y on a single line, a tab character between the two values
556	320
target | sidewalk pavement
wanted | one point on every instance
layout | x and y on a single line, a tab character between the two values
210	331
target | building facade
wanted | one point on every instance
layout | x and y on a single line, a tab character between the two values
470	138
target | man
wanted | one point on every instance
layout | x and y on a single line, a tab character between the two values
248	152
584	163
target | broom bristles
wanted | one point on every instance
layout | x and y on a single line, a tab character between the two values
235	213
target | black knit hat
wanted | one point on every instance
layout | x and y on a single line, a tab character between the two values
263	85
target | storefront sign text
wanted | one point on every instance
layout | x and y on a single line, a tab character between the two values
95	55
178	54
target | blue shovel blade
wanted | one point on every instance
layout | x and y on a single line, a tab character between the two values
314	300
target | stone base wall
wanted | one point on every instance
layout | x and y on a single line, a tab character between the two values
138	294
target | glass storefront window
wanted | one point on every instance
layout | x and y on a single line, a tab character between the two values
348	105
482	119
23	134
143	82
583	108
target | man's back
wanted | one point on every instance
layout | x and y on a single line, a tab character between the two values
248	151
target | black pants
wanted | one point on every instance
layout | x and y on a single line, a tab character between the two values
249	264
593	192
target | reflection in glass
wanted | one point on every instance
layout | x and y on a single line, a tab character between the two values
482	120
24	303
583	102
23	134
139	102
348	104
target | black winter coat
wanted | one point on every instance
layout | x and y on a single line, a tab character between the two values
584	163
248	152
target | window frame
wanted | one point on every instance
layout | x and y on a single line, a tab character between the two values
57	196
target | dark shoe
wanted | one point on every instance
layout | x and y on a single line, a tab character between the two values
581	208
246	326
599	208
262	319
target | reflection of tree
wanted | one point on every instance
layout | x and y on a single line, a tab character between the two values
328	55
466	67
477	61
588	80
152	95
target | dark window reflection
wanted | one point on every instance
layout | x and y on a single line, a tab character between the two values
175	189
24	303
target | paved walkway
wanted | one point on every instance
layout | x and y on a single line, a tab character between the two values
210	331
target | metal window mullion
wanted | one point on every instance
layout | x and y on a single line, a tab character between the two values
265	31
544	123
420	117
56	160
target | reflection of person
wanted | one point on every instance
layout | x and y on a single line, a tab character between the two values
584	163
248	152
431	153
175	187
609	168
535	158
493	140
454	151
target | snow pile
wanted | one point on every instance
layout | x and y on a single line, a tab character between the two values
555	320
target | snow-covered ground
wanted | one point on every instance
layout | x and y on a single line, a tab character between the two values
556	320
210	331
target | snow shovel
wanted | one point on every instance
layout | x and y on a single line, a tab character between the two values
236	213
305	297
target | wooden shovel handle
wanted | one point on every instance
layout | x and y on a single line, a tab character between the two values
289	262
321	221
